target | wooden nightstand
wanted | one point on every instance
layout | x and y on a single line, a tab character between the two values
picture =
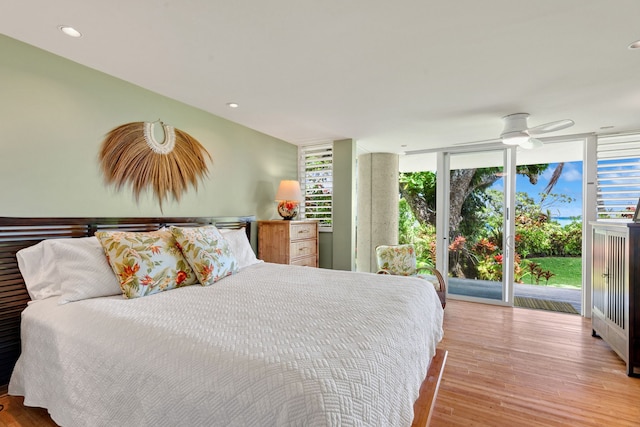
288	242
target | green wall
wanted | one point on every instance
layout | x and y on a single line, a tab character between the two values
344	205
54	114
338	248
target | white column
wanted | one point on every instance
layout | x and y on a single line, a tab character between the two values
378	197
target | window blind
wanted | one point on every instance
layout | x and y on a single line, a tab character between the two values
315	174
618	176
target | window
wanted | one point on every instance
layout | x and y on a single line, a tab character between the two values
315	172
618	176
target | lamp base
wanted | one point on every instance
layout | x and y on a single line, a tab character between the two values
288	209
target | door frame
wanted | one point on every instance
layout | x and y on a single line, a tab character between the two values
589	189
508	223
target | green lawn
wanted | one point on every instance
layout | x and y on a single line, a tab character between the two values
567	270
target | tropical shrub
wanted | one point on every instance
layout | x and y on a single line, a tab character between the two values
567	241
475	249
422	236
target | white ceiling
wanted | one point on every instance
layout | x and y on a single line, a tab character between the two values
394	75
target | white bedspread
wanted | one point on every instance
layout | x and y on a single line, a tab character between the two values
273	345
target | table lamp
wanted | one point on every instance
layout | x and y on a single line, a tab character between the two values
289	197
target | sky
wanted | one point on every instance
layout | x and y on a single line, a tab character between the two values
570	184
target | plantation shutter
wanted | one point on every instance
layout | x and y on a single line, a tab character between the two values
618	182
316	182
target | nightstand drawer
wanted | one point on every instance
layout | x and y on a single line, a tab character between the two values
303	231
303	248
309	261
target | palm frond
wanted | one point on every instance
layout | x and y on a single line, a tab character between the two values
555	176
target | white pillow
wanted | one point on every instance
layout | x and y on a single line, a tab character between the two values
74	268
240	246
38	268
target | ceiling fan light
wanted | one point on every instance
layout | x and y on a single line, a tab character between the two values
531	144
514	138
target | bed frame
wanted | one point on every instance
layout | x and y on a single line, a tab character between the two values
19	233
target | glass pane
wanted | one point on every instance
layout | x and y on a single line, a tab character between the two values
476	225
417	218
548	234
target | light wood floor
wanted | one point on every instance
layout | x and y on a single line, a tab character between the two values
521	367
505	367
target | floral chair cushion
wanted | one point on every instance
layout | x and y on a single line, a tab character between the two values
146	263
398	259
208	253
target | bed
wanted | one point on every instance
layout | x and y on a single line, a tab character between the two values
268	345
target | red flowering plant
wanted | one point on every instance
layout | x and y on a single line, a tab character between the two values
518	272
489	264
458	254
484	247
490	260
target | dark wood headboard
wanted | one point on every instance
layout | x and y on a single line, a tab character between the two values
19	233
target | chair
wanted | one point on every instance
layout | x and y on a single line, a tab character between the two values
400	260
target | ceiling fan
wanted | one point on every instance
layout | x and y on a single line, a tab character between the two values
517	132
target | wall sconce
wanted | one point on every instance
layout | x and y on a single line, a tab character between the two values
289	197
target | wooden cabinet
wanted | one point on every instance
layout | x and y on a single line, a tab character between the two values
615	315
288	242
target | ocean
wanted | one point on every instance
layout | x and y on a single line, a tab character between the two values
565	220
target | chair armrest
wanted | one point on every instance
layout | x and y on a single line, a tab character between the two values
442	287
442	291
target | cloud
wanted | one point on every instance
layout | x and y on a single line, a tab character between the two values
571	173
612	171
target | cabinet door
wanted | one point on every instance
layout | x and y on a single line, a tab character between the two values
616	279
599	279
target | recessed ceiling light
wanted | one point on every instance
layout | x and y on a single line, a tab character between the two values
635	45
70	31
232	105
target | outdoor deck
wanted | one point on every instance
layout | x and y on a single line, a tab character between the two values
493	290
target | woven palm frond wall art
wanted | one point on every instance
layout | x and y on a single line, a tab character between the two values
130	154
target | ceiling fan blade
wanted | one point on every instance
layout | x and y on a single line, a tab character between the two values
484	141
531	144
551	127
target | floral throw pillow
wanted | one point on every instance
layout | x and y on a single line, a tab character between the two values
399	259
146	262
208	253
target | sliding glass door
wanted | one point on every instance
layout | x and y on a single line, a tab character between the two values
476	220
479	231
